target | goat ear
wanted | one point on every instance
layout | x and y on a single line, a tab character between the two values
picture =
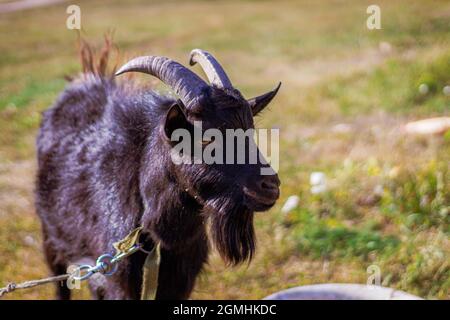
260	102
175	119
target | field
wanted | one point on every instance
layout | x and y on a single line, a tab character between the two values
347	92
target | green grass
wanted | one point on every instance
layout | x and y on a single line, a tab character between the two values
420	199
387	201
328	238
32	92
373	90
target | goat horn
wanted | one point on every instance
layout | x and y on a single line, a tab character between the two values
186	83
213	70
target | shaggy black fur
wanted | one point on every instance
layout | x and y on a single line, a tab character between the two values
105	169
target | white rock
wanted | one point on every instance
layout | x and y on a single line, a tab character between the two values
318	189
430	126
30	241
423	88
378	190
385	47
446	90
318	182
290	204
342	128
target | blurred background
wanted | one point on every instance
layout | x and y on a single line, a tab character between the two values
363	192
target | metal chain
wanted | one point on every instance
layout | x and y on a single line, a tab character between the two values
106	264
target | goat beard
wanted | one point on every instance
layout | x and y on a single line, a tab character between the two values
232	230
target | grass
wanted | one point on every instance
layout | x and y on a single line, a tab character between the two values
372	91
328	238
33	89
340	111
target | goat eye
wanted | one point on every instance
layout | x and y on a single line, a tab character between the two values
206	142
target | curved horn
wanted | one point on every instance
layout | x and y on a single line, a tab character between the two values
185	82
213	70
260	102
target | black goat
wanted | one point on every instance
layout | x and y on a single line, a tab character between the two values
105	168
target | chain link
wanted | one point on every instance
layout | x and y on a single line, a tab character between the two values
106	264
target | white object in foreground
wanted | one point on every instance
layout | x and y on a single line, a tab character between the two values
429	126
290	204
318	182
341	291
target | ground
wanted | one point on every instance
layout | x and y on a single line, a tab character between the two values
347	91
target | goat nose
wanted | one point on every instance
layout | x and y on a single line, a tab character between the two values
270	183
